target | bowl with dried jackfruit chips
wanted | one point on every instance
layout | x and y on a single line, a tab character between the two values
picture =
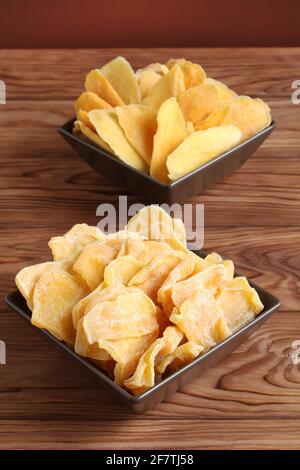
165	131
137	308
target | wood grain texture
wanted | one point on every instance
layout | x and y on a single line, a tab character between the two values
251	399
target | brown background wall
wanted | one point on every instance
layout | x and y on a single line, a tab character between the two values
148	23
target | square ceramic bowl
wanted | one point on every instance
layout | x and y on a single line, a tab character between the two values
173	382
153	190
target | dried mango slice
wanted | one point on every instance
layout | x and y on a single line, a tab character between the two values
97	83
94	258
83	304
144	376
160	69
239	302
146	80
198	318
120	75
83	348
88	101
27	278
198	102
108	128
224	93
82	129
139	125
150	278
248	114
71	244
171	131
193	73
201	147
171	84
184	354
130	314
149	251
214	119
54	296
214	258
121	270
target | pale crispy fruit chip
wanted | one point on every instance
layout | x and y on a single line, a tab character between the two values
214	258
171	131
155	224
183	355
88	101
150	278
224	93
162	319
201	147
150	250
211	278
249	115
139	125
156	67
83	304
193	73
83	348
121	270
120	75
214	119
239	302
191	264
144	376
130	314
108	128
171	84
198	102
97	83
54	296
84	130
198	318
94	258
146	80
27	278
71	244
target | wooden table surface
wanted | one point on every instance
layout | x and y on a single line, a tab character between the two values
251	399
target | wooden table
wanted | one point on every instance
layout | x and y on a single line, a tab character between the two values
251	399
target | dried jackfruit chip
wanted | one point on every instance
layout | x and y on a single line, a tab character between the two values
82	346
160	69
146	80
130	314
193	73
54	296
171	84
201	147
83	304
121	270
198	318
120	75
171	131
88	101
224	93
71	244
82	129
97	83
239	302
108	128
139	125
214	119
94	258
248	114
198	102
183	355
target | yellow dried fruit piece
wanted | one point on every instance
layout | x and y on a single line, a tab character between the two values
120	75
239	302
183	355
130	314
214	258
144	376
162	319
97	83
156	67
171	131
83	348
54	296
198	318
248	114
198	102
88	101
82	306
139	125
121	270
82	129
171	84
150	278
193	73
146	80
201	147
108	128
27	278
224	93
94	258
214	119
71	244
